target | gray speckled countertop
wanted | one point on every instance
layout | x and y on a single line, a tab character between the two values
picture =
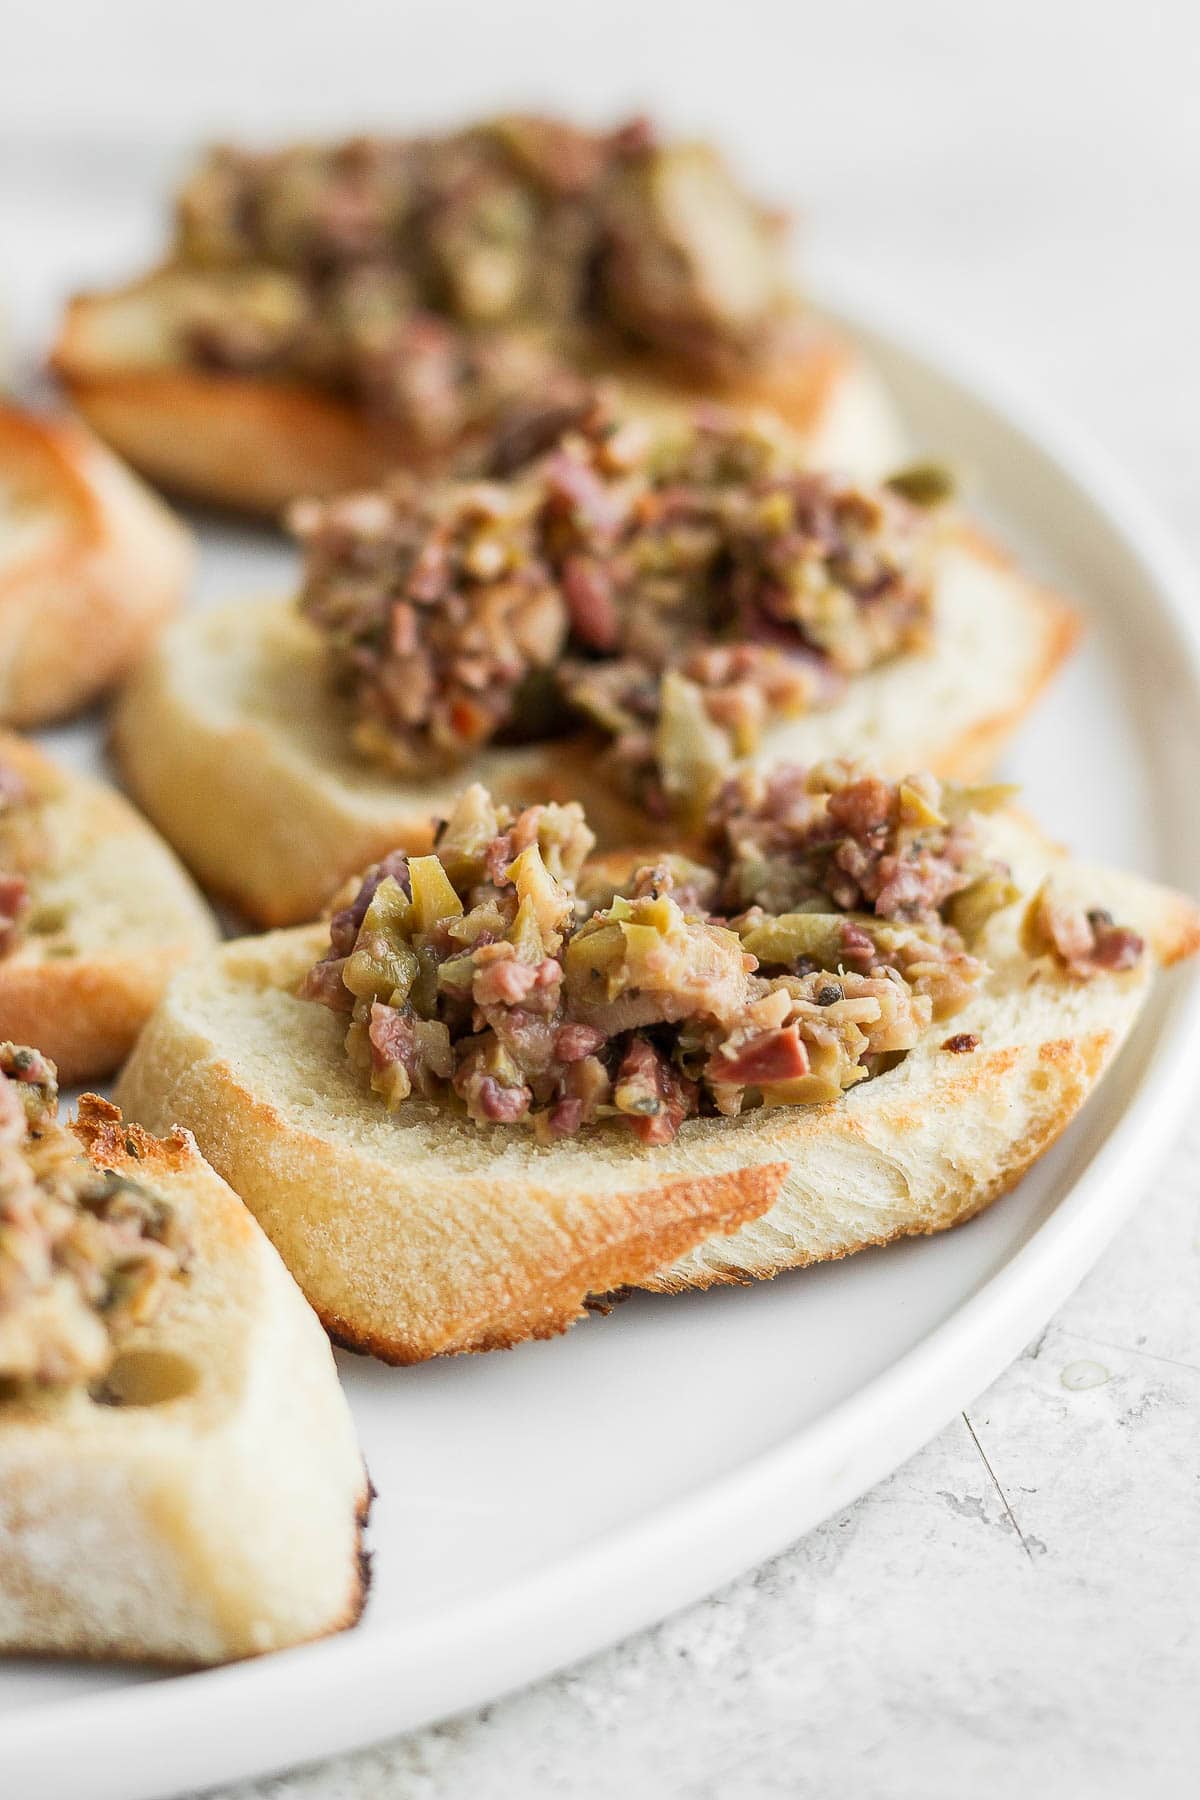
1017	1609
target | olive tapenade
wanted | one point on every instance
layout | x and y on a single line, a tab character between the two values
85	1254
437	279
677	592
829	918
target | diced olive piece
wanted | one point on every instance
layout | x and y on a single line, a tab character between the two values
500	1063
423	994
487	916
457	976
433	895
970	911
915	808
525	933
658	913
803	1090
565	840
393	1082
549	902
383	966
379	970
594	956
782	941
692	752
924	483
466	835
694	252
390	910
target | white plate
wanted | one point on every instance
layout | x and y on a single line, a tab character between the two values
536	1505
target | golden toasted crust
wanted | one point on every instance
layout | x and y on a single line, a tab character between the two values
86	1013
647	1228
217	1510
112	915
254	443
251	445
83	594
416	1233
110	1143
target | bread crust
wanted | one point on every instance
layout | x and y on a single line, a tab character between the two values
661	1223
217	1516
255	443
112	915
232	741
415	1234
517	1261
81	600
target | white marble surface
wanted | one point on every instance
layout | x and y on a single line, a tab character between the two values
1018	1608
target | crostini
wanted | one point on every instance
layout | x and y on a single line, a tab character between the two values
604	612
95	914
329	312
505	1078
91	565
179	1478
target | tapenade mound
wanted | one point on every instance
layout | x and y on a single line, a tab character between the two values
395	269
85	1253
590	609
825	927
677	592
397	295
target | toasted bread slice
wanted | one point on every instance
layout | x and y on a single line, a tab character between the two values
416	1232
210	1504
229	736
253	443
91	564
111	915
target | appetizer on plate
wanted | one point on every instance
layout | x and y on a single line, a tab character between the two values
601	611
329	311
504	1079
91	564
95	914
179	1478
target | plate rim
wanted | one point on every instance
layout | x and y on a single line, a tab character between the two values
636	1574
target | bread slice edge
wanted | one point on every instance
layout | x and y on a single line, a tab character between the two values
217	1511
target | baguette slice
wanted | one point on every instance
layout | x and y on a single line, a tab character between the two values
91	564
416	1232
112	914
216	1509
253	443
230	739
